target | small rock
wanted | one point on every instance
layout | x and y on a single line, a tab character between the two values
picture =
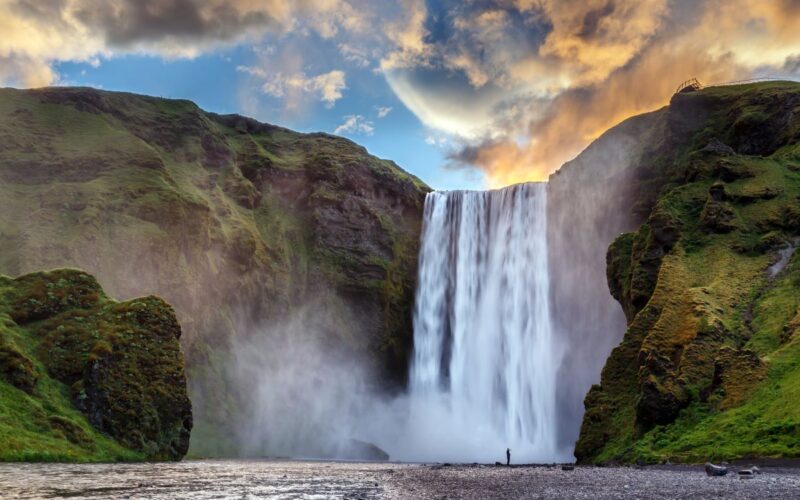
567	467
752	471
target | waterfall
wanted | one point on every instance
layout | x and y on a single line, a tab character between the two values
483	373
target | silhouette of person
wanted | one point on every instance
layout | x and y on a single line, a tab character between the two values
508	456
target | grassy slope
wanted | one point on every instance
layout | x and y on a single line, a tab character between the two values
225	218
710	365
55	334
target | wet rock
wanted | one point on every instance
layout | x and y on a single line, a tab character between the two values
715	470
749	473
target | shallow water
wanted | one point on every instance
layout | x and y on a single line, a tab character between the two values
247	479
201	479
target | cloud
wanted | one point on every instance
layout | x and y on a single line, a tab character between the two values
327	87
25	72
383	111
593	38
252	71
354	55
432	140
792	64
407	37
525	85
37	34
355	124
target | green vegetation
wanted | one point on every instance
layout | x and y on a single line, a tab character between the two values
85	378
226	218
709	368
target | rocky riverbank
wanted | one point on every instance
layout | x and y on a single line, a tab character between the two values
350	480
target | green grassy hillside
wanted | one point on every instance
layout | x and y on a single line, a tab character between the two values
233	222
709	367
85	378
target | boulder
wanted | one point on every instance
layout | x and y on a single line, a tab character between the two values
715	470
355	449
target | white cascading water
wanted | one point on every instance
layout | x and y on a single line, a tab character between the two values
483	374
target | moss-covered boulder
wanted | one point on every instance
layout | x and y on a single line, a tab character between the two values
709	367
89	367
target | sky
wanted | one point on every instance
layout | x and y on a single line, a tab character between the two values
465	95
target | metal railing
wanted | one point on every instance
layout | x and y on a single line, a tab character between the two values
745	82
696	85
692	83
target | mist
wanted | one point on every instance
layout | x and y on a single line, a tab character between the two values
306	394
589	205
485	374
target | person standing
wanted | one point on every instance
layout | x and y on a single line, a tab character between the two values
508	456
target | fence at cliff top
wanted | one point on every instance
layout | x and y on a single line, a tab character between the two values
694	84
688	86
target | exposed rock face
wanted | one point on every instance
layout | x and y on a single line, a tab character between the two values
121	363
705	354
234	222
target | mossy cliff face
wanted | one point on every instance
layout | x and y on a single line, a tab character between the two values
83	377
232	221
709	367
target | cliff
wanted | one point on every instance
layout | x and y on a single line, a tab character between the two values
85	378
709	366
234	222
